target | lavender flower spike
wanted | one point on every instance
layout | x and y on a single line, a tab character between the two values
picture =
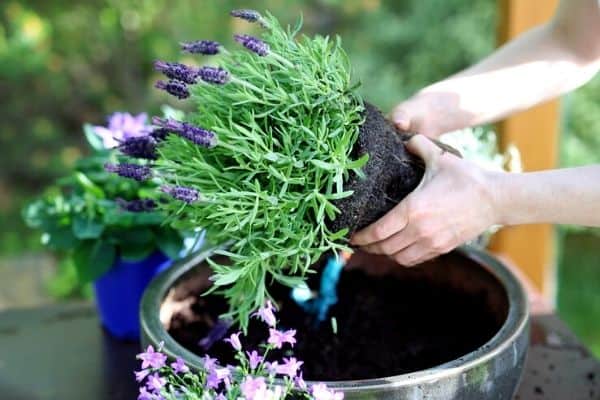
217	76
248	15
177	71
139	147
137	205
253	44
175	88
182	193
194	134
132	171
206	47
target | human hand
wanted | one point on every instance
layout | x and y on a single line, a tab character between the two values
453	203
430	113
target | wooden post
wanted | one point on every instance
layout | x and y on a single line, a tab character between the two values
535	133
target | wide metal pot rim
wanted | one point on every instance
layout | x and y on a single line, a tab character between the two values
516	322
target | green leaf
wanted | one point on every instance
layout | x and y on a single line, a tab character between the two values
60	238
323	165
170	243
361	162
93	258
93	139
87	228
136	252
89	186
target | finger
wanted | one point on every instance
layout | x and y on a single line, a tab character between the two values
401	119
394	244
424	148
413	255
394	221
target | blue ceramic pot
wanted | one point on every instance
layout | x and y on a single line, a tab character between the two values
119	291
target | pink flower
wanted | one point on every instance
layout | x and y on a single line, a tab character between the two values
321	392
155	382
145	394
267	314
179	366
140	375
251	387
122	126
290	367
254	359
151	358
234	341
278	338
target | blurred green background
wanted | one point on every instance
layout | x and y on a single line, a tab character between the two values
63	63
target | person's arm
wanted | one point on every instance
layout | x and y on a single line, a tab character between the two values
457	200
541	64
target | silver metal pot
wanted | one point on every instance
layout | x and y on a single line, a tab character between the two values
491	371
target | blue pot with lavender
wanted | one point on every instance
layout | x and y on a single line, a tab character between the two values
107	229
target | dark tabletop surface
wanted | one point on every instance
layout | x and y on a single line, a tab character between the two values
60	353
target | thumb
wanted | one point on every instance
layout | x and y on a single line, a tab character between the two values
420	146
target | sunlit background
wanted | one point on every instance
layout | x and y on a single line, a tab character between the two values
63	63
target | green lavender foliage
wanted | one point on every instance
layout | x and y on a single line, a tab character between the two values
286	124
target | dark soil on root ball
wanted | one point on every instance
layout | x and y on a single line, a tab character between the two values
390	174
385	326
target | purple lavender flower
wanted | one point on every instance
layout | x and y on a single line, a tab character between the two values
151	358
190	132
122	126
266	314
234	341
290	367
159	134
177	71
321	392
254	359
253	44
175	88
155	382
182	193
220	396
206	47
248	15
132	171
139	147
136	205
278	338
179	366
252	388
141	375
215	75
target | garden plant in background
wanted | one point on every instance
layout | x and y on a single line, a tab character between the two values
89	219
253	378
282	159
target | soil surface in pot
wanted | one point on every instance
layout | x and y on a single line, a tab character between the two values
385	326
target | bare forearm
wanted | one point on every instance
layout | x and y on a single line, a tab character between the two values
541	64
565	196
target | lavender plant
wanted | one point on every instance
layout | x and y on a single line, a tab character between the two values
91	217
253	378
261	161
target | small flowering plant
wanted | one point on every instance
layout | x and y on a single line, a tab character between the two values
91	216
253	378
264	157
